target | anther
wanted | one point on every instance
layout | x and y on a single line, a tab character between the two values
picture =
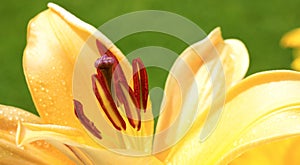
85	121
140	83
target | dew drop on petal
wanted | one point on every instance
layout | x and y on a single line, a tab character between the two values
39	143
235	143
63	82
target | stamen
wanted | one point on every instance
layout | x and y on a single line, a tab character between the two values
140	83
127	98
109	70
85	121
107	103
101	48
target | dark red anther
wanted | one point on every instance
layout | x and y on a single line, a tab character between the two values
101	48
85	121
107	103
140	83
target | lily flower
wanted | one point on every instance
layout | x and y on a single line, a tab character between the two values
292	40
259	121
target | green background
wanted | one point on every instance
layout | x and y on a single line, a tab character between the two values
259	24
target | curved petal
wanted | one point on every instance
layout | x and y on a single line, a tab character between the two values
30	132
198	79
54	40
276	153
38	152
291	39
262	108
63	137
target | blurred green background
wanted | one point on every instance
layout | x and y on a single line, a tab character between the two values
259	24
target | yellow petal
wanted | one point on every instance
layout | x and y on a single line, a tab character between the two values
29	132
262	108
39	152
61	137
54	40
291	39
108	157
276	153
199	76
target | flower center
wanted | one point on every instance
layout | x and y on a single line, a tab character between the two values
121	104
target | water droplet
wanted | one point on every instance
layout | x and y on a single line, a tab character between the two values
235	143
46	145
39	143
63	82
293	117
241	141
42	88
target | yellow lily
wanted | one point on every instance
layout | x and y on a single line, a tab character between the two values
260	113
292	40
